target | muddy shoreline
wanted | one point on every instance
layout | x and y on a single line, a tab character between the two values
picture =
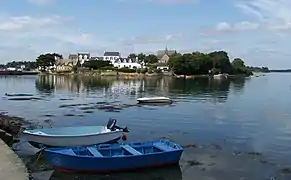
199	161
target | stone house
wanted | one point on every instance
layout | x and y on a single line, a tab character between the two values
163	58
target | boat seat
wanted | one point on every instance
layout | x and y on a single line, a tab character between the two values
131	150
94	152
162	146
68	152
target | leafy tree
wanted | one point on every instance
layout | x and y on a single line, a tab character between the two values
46	60
141	57
238	63
201	63
151	59
96	64
17	64
132	56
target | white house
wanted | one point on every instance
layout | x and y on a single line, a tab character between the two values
111	56
127	63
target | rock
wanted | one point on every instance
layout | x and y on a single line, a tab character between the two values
2	132
7	138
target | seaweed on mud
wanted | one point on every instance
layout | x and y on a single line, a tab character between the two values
217	146
190	146
194	163
286	170
253	153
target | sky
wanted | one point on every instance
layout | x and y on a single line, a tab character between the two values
258	31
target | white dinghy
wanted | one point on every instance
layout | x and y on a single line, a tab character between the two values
157	99
74	136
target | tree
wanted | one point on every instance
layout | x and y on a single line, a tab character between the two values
132	56
221	61
240	68
151	59
141	57
201	63
46	60
97	64
238	63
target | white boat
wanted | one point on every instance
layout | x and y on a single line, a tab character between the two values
74	136
220	76
154	100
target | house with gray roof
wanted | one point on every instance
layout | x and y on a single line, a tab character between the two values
111	56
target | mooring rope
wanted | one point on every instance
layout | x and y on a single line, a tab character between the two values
38	156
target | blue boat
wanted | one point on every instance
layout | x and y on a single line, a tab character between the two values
114	157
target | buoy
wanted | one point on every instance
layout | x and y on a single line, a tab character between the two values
123	137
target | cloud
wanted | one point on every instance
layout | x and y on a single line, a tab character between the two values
152	39
266	15
35	35
224	27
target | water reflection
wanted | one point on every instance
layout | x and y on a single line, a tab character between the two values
169	173
201	88
45	84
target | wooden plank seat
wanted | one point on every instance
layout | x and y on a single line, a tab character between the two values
162	147
131	150
94	152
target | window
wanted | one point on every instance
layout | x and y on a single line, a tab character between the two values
111	58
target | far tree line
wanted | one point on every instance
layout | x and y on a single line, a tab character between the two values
181	64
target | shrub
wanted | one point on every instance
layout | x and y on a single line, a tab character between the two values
126	70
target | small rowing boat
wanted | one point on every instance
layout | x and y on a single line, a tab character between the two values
114	157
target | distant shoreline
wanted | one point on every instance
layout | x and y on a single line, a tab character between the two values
6	73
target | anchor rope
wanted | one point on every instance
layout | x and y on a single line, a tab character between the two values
38	156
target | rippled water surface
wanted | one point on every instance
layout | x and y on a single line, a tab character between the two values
251	114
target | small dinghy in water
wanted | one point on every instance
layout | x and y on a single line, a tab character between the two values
114	157
154	100
74	136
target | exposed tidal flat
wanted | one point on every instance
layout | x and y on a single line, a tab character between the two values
235	128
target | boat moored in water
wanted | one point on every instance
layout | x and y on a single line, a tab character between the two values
114	157
74	136
157	99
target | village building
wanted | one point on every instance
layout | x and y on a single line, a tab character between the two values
111	56
127	63
163	58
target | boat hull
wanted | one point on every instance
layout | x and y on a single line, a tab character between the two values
61	141
104	164
155	100
41	145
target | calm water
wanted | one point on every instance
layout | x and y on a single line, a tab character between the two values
251	114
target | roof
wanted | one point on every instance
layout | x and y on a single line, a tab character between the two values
73	56
111	53
161	53
96	58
